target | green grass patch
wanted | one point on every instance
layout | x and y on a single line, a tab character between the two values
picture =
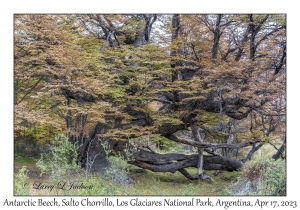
24	160
148	183
175	184
60	167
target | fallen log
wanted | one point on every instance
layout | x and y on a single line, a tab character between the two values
173	162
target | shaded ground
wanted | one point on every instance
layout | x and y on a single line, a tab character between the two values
151	183
33	171
30	163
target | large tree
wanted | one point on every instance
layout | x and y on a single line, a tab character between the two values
209	81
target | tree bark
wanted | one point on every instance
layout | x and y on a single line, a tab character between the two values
280	151
242	44
176	26
197	136
143	33
174	162
251	152
217	35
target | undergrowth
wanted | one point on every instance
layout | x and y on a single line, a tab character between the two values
264	177
259	177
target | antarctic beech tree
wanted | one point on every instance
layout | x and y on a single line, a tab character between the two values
212	82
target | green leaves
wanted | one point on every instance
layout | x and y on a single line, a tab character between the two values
61	162
21	187
68	65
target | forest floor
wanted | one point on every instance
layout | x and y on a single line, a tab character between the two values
147	183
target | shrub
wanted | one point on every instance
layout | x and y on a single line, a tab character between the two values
61	162
260	177
61	165
275	179
20	185
254	171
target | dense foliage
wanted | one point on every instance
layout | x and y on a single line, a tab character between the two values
151	78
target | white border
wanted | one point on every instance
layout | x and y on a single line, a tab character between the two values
8	8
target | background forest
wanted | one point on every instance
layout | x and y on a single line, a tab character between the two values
137	103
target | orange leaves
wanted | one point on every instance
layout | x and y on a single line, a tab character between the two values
74	56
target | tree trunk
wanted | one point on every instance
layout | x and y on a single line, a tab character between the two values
280	151
242	44
196	134
217	35
176	49
143	34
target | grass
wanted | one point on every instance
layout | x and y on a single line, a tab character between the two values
24	160
147	183
152	183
